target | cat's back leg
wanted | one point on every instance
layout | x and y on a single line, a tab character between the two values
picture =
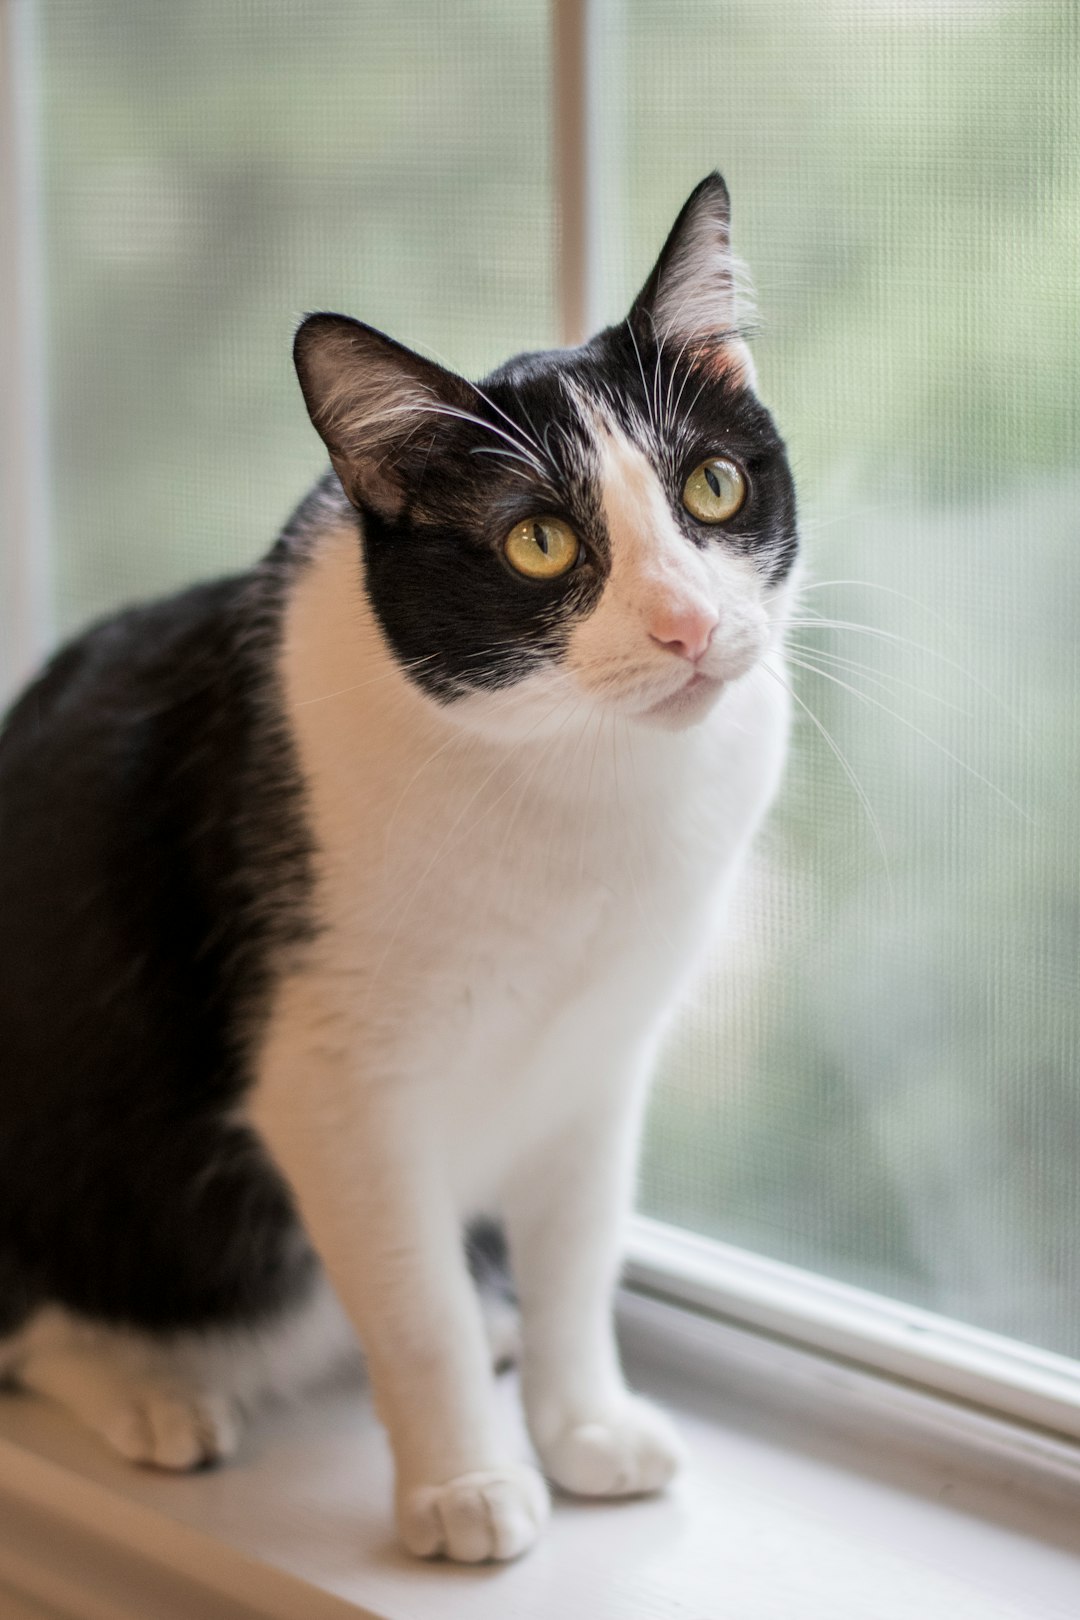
179	1401
143	1410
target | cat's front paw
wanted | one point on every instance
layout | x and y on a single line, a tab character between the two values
628	1451
494	1514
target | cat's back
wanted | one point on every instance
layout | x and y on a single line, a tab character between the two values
152	856
95	750
137	781
113	680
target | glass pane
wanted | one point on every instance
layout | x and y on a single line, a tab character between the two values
879	1078
215	169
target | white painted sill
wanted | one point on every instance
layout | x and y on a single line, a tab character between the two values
816	1489
1003	1376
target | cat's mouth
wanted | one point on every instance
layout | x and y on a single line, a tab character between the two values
690	699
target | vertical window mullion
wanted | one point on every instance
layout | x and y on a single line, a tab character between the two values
577	159
26	608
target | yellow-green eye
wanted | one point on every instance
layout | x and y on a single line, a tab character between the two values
542	548
714	491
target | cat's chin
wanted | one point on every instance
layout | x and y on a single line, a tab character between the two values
684	708
531	711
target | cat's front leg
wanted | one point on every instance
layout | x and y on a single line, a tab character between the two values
369	1176
566	1223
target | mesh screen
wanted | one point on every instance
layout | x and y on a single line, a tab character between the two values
879	1076
215	169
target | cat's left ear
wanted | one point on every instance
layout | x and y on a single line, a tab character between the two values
366	396
693	291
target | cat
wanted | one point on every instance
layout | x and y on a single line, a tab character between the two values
343	903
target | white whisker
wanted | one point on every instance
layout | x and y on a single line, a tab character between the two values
489	427
866	698
874	585
882	678
501	450
358	686
839	755
486	397
817	622
630	329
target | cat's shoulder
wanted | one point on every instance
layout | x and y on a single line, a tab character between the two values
167	639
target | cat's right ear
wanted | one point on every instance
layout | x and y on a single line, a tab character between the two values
366	395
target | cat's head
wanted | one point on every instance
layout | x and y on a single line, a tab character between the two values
602	527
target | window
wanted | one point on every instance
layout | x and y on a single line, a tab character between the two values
212	171
879	1079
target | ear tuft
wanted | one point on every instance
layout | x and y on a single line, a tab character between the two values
365	395
694	288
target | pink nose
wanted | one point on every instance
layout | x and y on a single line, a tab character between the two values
686	631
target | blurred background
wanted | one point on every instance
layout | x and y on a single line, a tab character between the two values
878	1078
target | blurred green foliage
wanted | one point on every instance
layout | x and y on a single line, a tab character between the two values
880	1077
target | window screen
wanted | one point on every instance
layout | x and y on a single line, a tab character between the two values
212	171
879	1079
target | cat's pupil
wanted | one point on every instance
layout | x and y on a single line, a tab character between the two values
712	481
540	536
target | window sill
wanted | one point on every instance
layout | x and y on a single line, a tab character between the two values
816	1489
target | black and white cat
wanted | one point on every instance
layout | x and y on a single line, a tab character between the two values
342	903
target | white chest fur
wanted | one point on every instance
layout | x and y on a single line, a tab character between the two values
495	919
510	887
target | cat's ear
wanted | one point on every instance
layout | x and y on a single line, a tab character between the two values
693	291
366	395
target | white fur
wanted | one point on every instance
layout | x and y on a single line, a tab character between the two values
705	289
511	891
697	289
177	1402
658	581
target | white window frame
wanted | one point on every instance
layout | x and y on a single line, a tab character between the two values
26	585
856	1327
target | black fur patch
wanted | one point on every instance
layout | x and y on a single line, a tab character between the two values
456	615
454	611
684	403
154	863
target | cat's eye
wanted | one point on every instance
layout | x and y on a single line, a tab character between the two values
542	547
714	491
